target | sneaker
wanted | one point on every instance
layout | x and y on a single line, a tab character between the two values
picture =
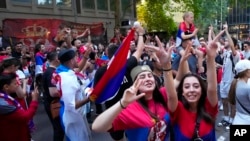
221	107
223	123
228	127
41	95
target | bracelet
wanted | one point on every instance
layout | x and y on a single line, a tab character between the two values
123	107
85	57
167	69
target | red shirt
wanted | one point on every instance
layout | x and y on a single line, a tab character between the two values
14	126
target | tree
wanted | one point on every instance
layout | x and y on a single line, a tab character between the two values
152	16
206	12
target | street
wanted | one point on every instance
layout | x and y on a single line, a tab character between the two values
44	130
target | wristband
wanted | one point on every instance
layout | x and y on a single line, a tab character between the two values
123	107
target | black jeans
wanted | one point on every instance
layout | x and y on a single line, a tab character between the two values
56	124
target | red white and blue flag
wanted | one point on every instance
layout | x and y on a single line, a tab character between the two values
183	28
110	82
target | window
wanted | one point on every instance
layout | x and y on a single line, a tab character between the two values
78	6
102	4
126	6
24	1
44	2
2	3
64	3
112	5
88	4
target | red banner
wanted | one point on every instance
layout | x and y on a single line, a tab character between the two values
34	31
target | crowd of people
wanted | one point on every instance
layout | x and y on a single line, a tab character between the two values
170	91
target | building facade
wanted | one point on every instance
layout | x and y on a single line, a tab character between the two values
239	20
80	11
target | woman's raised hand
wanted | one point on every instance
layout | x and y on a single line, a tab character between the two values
164	57
187	53
130	95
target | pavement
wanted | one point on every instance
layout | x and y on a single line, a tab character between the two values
44	130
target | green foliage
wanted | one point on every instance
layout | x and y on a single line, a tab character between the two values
152	16
157	15
206	12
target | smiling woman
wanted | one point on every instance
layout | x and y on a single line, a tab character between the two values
193	100
145	98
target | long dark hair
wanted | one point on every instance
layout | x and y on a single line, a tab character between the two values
200	107
157	96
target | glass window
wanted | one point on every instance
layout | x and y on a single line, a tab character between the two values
44	2
88	4
126	6
2	3
78	6
102	4
24	1
64	3
112	5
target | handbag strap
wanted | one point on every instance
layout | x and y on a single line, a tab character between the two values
242	106
197	127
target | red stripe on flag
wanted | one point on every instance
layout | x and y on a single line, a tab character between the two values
119	60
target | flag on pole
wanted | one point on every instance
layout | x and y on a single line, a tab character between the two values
110	82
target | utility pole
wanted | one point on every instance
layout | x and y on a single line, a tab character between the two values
117	13
221	15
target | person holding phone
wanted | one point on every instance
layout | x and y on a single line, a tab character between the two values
13	117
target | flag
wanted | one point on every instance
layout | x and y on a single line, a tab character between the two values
110	82
40	59
183	28
101	62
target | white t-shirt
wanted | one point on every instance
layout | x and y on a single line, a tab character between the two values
20	74
228	75
242	97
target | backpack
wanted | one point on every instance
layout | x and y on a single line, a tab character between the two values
233	65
